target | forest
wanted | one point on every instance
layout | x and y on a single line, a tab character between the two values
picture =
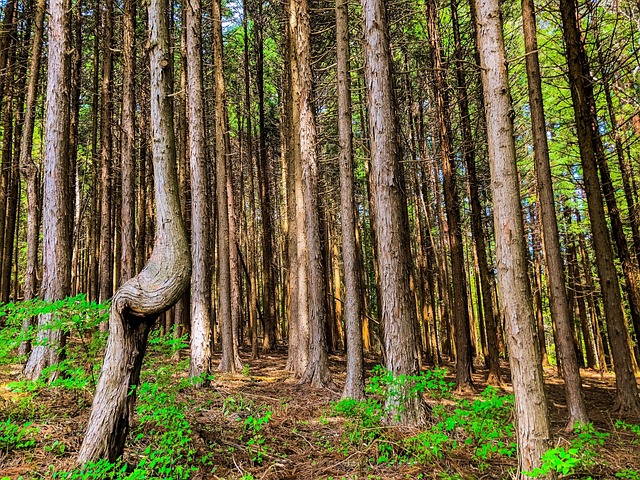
319	239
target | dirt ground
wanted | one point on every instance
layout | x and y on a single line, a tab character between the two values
302	439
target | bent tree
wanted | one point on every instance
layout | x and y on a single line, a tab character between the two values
162	281
532	423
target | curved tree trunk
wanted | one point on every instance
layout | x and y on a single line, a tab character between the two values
159	285
532	431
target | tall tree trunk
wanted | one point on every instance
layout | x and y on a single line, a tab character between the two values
268	276
532	423
128	224
389	208
29	168
582	96
452	205
354	384
56	278
138	302
106	151
317	370
201	277
493	361
229	362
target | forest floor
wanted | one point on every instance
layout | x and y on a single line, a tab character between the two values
261	424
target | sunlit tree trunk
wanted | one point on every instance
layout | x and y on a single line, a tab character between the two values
396	303
56	277
532	423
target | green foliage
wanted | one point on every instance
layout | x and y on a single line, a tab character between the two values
629	427
580	455
483	425
16	437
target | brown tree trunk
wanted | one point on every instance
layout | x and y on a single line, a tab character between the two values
317	369
354	384
30	170
56	277
269	342
230	361
159	285
106	232
532	423
493	361
588	140
127	147
389	208
200	198
452	206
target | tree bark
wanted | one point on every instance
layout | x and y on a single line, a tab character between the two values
588	139
128	224
317	369
229	362
56	278
29	168
553	253
452	205
532	423
353	311
159	285
200	255
389	208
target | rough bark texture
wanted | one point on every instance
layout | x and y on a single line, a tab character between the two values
553	254
159	285
127	223
56	277
317	370
106	151
582	97
452	205
299	313
29	169
396	304
532	423
229	361
268	275
354	384
200	255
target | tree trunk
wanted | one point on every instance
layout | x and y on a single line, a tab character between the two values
128	224
30	170
532	423
354	383
317	370
389	208
106	232
56	277
201	257
582	96
452	205
159	285
229	362
269	342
